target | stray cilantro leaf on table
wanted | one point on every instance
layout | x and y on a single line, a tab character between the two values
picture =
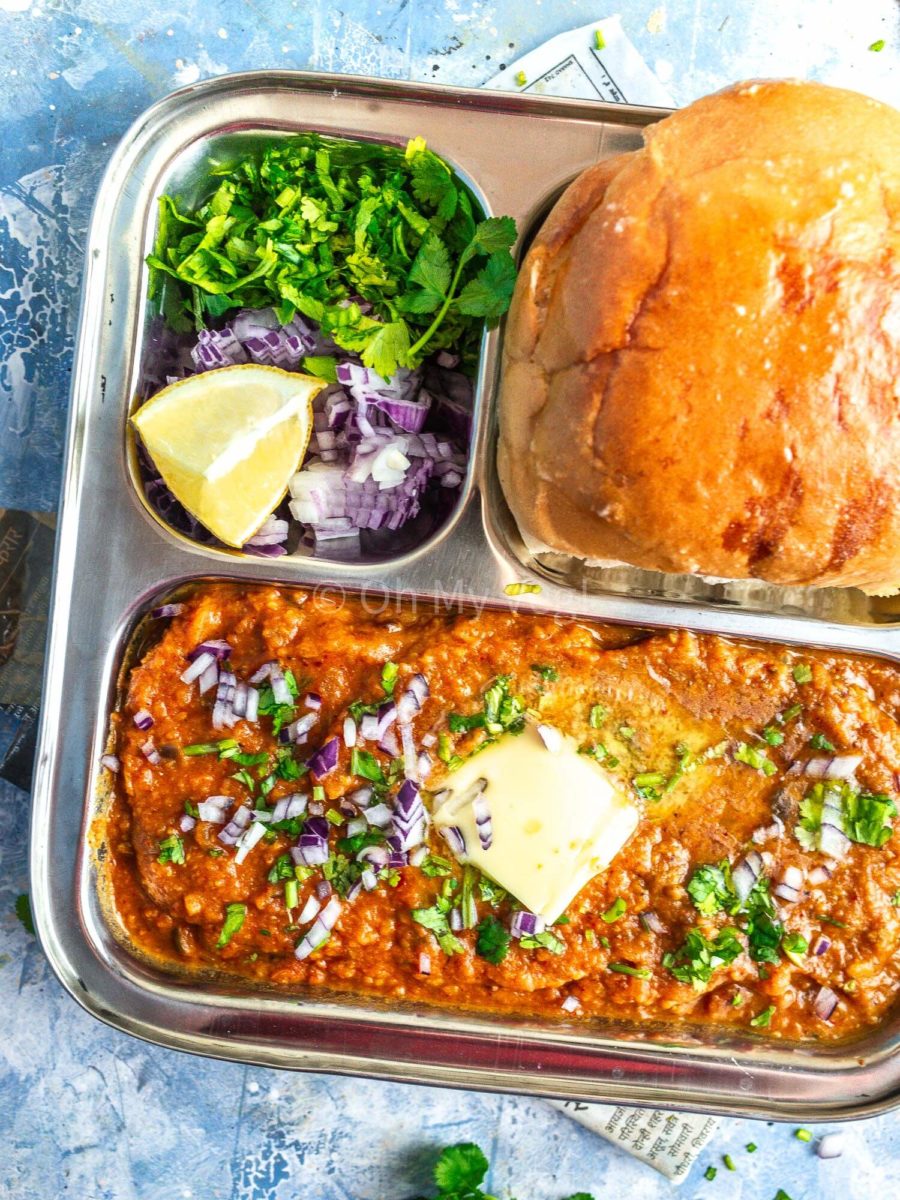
23	912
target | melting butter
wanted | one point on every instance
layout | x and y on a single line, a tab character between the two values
557	818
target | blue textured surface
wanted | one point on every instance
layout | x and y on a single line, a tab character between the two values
89	1113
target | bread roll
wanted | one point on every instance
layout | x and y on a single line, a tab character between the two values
702	359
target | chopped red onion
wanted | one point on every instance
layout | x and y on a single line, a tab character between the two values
767	833
818	876
833	841
361	796
842	766
213	809
424	963
482	814
785	892
143	720
410	758
168	610
429	739
745	875
356	826
217	647
368	728
252	704
281	693
424	765
825	1003
323	889
551	738
187	823
378	815
455	839
239	821
830	1146
456	921
820	945
248	839
296	805
313	700
209	679
389	744
418	856
571	1004
197	667
149	751
651	922
368	879
110	762
325	760
349	732
817	768
418	685
526	924
793	877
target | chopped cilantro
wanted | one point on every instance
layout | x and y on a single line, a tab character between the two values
282	868
243	776
795	947
789	713
864	817
710	1173
333	817
191	809
543	941
711	888
492	941
729	1162
365	765
433	865
802	673
286	766
752	756
490	891
878	46
23	912
389	673
773	736
648	785
751	1147
697	957
598	716
616	910
460	724
781	1194
521	78
895	899
234	919
626	733
171	850
599	752
819	741
547	674
803	1135
626	969
291	899
599	40
436	919
203	748
762	1020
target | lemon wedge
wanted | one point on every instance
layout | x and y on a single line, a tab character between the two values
226	442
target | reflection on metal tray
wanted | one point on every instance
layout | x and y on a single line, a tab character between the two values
114	561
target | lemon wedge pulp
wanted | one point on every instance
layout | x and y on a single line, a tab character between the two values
226	442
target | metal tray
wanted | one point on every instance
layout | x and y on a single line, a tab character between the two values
114	561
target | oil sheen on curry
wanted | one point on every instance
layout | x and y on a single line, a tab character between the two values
497	811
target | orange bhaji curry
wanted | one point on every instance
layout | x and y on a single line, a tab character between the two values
313	794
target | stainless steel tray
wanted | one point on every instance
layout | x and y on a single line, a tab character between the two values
115	560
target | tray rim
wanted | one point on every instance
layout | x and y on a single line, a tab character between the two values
58	943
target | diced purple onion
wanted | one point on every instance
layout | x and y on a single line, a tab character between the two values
309	911
793	876
197	667
453	836
745	875
297	803
323	889
349	732
820	945
378	815
429	739
651	922
378	856
482	814
313	700
389	744
168	610
143	720
187	823
281	693
149	751
248	839
217	647
410	758
785	892
239	821
110	762
418	856
818	876
526	924
825	1003
833	841
356	826
368	728
325	760
571	1004
261	674
418	685
424	963
455	920
368	879
768	832
252	704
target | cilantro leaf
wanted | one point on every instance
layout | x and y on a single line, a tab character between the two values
171	850
234	919
864	817
460	1168
543	941
711	889
697	957
490	292
492	941
387	349
431	267
366	765
436	919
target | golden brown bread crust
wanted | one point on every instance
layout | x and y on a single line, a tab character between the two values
702	360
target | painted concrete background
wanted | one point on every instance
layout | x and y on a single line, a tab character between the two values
91	1114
